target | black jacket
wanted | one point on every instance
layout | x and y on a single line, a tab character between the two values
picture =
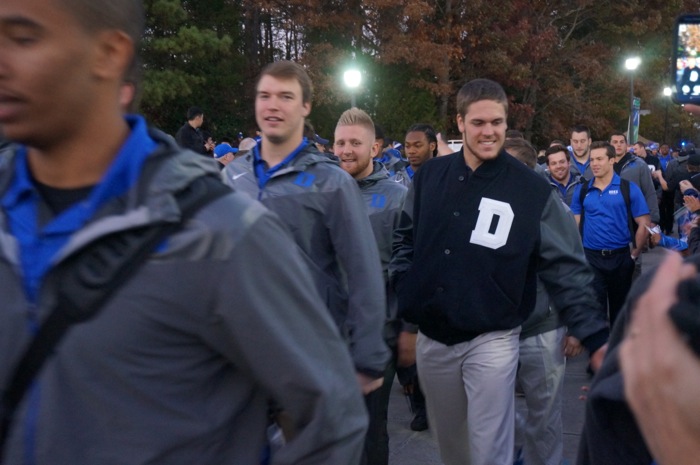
188	137
610	433
461	270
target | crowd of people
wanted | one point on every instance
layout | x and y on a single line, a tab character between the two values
289	280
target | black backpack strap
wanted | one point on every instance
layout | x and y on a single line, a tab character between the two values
89	278
581	198
631	224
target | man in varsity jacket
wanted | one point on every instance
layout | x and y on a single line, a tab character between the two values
477	228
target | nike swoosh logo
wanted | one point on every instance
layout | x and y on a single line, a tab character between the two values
236	176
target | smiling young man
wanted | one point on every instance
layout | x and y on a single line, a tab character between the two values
560	176
477	228
606	229
176	367
322	208
356	147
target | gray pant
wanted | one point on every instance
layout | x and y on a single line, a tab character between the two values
469	394
541	375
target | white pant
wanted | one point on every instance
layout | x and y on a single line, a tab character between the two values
469	396
541	375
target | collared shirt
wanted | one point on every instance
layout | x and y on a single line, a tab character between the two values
263	172
38	245
606	223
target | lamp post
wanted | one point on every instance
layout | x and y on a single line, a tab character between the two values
631	64
667	94
352	79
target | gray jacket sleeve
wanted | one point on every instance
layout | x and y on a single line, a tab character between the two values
641	176
271	324
402	250
353	240
567	276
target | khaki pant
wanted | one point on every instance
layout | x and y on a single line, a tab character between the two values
469	395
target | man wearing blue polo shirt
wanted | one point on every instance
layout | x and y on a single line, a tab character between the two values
606	230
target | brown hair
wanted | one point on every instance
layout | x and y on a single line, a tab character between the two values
290	70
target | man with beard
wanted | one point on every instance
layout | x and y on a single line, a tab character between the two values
580	146
355	146
560	174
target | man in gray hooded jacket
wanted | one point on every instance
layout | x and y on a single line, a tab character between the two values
355	146
178	366
323	209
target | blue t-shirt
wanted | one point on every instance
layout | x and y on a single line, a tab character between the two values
606	225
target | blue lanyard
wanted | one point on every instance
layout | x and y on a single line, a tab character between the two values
264	174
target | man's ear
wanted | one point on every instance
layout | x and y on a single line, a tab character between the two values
307	109
376	147
114	51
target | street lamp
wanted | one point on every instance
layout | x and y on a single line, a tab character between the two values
667	94
631	64
352	79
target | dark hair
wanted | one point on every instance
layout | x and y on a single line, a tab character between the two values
602	144
193	112
379	134
514	134
581	128
478	90
641	144
97	15
618	134
551	150
309	131
556	142
290	70
429	132
521	150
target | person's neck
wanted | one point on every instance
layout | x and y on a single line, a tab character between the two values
582	160
274	154
82	158
604	181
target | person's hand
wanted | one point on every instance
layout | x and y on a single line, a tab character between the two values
597	358
572	346
684	185
661	374
407	349
368	384
691	202
442	147
654	239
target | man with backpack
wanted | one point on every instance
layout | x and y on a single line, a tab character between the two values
608	209
218	316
